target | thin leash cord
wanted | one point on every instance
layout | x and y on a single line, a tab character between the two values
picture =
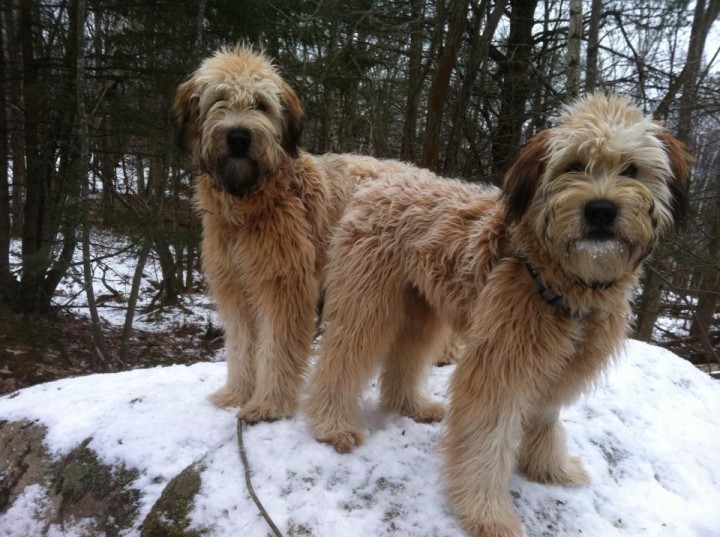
248	484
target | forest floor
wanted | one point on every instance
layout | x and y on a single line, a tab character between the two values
35	349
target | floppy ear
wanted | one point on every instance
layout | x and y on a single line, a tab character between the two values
293	121
522	179
185	113
680	161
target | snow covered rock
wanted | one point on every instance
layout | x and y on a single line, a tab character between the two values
143	453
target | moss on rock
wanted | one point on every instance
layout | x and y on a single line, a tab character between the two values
170	516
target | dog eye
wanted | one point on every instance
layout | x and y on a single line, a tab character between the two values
575	167
260	106
629	171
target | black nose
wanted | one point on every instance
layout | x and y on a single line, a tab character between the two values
600	213
238	141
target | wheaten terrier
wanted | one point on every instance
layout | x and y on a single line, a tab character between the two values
537	278
267	211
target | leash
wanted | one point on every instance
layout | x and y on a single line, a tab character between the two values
248	483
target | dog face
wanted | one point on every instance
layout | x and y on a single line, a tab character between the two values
238	118
598	191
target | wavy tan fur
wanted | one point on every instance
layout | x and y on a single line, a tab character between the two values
267	217
413	256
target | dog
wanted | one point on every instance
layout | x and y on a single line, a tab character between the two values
268	209
537	279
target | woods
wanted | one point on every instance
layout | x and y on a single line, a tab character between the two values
457	86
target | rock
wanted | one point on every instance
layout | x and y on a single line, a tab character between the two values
92	497
169	517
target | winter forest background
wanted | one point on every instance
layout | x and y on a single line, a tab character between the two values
90	178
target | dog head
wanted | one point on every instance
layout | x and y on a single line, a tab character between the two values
598	191
238	119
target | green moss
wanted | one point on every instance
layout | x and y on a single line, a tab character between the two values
85	487
170	516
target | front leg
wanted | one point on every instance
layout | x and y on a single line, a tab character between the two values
240	338
514	348
543	452
480	441
286	316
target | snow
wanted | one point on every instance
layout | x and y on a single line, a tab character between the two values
114	261
649	435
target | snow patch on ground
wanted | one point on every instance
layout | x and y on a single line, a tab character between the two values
649	435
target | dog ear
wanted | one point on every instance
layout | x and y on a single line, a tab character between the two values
522	179
680	161
185	113
293	118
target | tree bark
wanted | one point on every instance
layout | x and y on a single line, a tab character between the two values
15	120
29	298
440	82
132	300
407	150
575	31
83	176
7	281
591	71
514	88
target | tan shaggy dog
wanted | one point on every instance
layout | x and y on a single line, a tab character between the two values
267	211
537	279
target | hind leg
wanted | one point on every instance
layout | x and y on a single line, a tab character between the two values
355	340
418	340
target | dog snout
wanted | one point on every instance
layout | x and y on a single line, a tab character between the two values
600	214
238	141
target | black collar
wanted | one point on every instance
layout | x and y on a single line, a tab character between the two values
548	294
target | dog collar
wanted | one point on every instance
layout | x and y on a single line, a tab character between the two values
548	294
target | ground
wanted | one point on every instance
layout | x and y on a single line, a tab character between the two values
35	349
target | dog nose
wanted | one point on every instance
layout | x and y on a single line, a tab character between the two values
238	141
600	213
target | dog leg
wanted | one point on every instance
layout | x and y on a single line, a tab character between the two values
419	339
479	444
357	338
543	453
286	327
240	348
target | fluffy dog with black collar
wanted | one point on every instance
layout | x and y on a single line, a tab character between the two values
537	278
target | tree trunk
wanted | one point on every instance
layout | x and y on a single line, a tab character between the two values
83	176
16	121
703	19
33	265
648	307
132	300
515	87
407	150
7	281
591	71
440	82
575	31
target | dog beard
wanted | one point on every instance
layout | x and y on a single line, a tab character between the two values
237	176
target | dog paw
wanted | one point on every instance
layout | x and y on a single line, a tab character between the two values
227	397
495	530
343	441
257	412
571	472
426	413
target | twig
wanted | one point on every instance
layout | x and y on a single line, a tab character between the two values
248	484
